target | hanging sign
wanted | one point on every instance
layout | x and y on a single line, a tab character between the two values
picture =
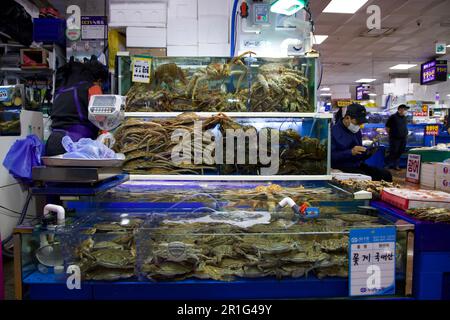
413	168
433	71
372	261
141	69
432	130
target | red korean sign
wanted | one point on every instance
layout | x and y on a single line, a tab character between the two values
413	168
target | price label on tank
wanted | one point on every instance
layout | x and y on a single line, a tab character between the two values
372	261
142	68
413	168
3	94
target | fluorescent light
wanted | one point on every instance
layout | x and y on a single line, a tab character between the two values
319	39
344	6
403	66
287	7
326	94
364	80
372	94
325	89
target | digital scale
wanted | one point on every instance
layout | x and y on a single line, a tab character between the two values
107	111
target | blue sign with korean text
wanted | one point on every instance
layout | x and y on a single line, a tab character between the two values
372	261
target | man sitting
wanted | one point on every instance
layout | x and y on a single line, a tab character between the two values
347	152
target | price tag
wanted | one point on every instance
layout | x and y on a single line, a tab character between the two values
432	130
4	94
142	68
413	168
372	261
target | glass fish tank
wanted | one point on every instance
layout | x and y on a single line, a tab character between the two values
11	103
222	144
186	196
246	83
205	248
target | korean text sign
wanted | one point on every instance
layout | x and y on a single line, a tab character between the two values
141	69
372	261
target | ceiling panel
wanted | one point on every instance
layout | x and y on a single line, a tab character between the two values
409	42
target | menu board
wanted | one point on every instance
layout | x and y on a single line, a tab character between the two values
433	71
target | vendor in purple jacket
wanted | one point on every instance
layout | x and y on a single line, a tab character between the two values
347	152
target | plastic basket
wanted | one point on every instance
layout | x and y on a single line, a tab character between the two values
49	30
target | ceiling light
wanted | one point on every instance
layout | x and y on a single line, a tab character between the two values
287	7
325	89
403	66
364	80
326	94
344	6
319	39
372	94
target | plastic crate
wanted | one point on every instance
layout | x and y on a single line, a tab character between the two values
49	30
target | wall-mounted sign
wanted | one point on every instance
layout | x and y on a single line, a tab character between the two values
433	71
73	23
441	48
93	28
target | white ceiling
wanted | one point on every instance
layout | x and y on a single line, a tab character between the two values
346	56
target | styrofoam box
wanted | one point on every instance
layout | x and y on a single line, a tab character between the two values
144	37
214	7
443	184
428	175
182	32
182	51
138	14
409	199
442	169
213	29
214	50
182	9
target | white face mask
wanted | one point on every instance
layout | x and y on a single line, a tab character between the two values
353	128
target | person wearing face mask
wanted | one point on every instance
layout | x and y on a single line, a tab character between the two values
347	151
397	129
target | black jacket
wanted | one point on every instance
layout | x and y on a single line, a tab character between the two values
398	126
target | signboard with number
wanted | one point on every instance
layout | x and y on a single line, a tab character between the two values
141	68
433	71
432	130
372	261
413	168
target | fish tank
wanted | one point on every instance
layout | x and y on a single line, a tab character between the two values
377	132
205	247
246	83
186	196
11	103
225	145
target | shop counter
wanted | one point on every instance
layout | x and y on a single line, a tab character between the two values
431	276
